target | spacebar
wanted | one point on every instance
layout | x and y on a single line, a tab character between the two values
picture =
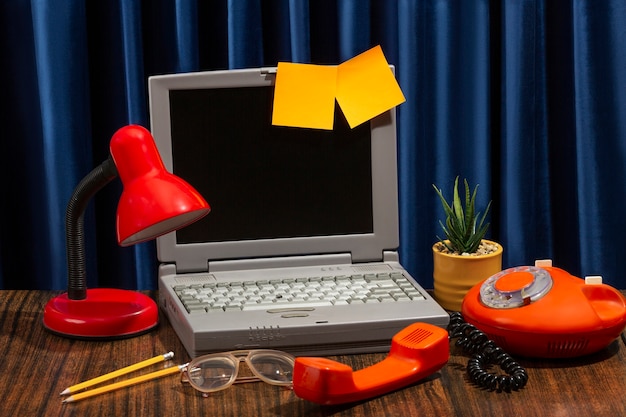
287	307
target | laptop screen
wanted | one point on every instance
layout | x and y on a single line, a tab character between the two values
274	191
264	181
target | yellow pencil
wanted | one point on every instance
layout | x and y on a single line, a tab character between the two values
122	384
119	372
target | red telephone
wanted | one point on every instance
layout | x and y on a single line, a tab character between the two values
543	311
416	352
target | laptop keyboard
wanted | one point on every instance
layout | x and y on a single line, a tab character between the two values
297	293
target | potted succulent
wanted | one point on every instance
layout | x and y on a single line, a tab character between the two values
464	258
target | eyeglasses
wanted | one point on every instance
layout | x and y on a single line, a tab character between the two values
218	371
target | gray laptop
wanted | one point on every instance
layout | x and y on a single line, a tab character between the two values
299	250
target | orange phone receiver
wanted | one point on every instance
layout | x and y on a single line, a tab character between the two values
416	352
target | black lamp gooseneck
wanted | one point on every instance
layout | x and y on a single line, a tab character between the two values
74	226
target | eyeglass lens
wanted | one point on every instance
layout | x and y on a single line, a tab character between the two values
215	372
272	368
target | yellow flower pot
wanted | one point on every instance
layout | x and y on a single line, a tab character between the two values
455	275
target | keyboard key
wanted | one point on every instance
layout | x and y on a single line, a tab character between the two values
196	309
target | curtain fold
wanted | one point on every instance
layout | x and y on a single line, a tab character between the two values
599	56
525	220
299	32
445	125
525	98
44	150
59	135
186	36
245	35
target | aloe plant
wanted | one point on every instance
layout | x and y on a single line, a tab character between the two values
461	229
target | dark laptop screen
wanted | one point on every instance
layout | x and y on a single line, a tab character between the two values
265	181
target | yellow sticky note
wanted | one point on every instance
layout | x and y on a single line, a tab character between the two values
366	87
304	95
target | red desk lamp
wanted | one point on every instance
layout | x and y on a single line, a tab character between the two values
153	202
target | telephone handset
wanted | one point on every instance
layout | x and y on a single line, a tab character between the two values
416	352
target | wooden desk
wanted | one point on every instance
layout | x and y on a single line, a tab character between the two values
36	366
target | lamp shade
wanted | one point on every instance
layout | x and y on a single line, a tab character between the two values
154	201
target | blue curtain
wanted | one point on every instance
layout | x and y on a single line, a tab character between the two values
525	97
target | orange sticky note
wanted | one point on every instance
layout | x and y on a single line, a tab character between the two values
366	87
304	95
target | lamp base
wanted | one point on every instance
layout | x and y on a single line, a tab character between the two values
104	314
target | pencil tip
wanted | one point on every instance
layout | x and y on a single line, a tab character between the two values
65	392
68	400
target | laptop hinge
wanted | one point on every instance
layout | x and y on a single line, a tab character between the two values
280	262
268	70
391	256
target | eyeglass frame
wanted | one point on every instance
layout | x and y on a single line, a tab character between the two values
237	356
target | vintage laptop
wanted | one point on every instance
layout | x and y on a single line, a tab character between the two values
299	250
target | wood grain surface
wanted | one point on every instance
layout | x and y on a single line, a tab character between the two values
37	365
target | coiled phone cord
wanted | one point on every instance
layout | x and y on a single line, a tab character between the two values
485	353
